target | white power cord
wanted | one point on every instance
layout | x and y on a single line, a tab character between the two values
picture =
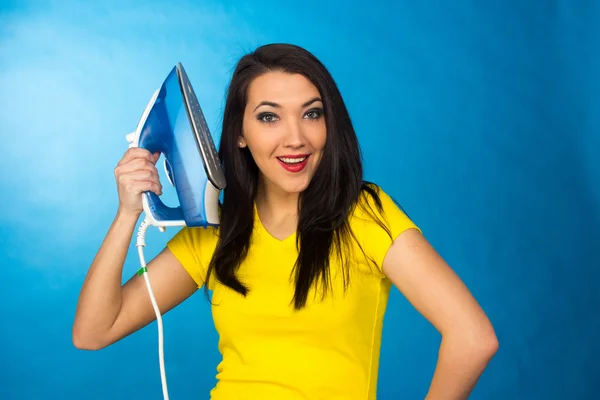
144	272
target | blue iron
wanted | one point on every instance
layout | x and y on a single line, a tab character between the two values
173	124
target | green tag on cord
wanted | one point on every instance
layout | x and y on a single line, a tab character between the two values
141	271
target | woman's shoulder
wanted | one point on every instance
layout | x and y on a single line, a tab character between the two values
379	209
373	200
197	236
194	247
377	221
197	242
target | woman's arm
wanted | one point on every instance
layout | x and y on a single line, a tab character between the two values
107	311
429	284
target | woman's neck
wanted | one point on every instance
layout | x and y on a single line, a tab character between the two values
275	206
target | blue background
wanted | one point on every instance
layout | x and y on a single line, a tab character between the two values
481	118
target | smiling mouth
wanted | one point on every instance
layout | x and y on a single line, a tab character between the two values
292	161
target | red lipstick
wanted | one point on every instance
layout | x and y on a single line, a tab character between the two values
290	162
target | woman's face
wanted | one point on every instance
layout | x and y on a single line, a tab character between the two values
284	129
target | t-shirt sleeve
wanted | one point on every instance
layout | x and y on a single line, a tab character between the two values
377	240
194	247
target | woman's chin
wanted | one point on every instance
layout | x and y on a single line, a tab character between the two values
290	185
293	186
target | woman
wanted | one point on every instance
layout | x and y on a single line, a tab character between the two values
303	261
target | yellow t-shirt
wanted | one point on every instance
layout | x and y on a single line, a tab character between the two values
328	350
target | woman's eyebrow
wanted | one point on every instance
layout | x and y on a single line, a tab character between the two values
272	104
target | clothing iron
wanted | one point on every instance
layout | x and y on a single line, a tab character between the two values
173	124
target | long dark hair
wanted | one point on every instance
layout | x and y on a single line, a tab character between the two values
326	203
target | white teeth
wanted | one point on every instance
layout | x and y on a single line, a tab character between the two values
292	160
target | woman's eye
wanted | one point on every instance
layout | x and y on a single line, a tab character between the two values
314	114
267	118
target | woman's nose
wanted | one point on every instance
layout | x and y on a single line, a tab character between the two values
294	136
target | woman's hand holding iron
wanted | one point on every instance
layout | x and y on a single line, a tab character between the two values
136	173
107	310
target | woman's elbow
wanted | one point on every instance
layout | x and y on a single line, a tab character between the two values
85	342
483	343
479	343
489	345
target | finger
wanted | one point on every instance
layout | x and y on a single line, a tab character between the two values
151	186
135	165
139	175
136	152
138	187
